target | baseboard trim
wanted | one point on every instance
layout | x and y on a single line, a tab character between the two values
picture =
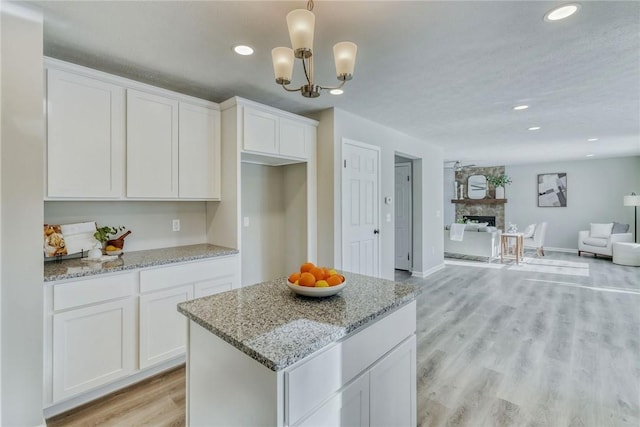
73	402
567	250
423	274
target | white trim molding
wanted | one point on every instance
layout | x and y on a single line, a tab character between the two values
429	272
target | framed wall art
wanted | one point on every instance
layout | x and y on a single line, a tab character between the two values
552	190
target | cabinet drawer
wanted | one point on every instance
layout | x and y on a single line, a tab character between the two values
166	277
91	291
314	380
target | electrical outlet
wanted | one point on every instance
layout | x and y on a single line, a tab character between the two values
245	221
176	225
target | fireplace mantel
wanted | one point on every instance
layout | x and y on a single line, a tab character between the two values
480	201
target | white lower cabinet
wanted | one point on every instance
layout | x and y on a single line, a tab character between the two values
93	346
397	372
104	331
162	329
348	407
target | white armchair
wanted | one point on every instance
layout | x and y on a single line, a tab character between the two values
537	240
599	245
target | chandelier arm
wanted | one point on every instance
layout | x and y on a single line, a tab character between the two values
291	90
333	87
306	72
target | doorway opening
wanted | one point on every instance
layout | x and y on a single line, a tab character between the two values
403	196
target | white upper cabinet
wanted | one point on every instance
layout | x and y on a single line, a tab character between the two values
113	138
293	137
85	137
199	152
281	135
152	146
260	131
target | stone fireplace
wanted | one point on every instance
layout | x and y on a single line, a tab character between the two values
487	207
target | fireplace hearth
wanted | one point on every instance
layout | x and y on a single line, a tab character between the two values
479	218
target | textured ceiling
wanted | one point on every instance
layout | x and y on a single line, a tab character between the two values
448	73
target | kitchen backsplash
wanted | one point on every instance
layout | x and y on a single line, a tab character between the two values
150	222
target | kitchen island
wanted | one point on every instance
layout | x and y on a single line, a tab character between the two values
264	356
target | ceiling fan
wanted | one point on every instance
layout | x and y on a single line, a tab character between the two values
457	166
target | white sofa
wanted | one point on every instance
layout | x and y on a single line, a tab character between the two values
474	243
599	245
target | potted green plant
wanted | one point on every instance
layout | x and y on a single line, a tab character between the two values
498	182
102	233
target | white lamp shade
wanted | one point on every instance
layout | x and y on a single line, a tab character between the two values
632	200
283	59
301	23
344	54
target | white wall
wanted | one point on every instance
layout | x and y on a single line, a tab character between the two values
449	209
150	222
595	190
274	200
21	194
428	244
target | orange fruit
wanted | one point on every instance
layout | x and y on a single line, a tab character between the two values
307	279
322	284
326	272
294	277
342	279
317	272
334	280
307	266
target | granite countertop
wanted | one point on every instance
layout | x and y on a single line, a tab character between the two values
277	328
76	267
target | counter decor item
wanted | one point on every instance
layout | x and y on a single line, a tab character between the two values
111	245
314	281
54	244
316	292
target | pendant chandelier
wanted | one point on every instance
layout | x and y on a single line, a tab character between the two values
301	24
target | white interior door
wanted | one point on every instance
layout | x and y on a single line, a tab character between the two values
360	228
403	216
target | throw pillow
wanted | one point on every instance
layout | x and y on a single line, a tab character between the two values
619	228
529	231
602	231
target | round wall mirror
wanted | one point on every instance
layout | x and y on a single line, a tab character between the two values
477	187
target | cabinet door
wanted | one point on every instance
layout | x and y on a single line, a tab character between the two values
293	137
393	387
215	286
162	328
199	152
260	131
348	407
85	137
93	346
152	146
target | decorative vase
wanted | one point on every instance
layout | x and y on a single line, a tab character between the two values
461	188
499	192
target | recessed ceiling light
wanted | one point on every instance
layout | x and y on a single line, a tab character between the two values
520	107
336	91
534	128
561	12
592	139
243	50
589	155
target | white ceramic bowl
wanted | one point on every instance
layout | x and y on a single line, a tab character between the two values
316	292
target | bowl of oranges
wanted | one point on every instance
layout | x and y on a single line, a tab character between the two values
313	281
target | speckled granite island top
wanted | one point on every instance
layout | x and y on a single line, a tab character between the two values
73	268
277	328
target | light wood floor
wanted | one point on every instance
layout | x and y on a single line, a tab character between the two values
541	344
